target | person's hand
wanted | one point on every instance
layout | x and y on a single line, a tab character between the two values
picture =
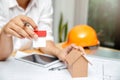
65	51
16	27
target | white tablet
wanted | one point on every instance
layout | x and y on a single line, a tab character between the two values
39	59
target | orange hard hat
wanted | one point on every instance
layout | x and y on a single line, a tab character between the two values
82	35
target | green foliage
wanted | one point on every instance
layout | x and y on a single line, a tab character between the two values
62	30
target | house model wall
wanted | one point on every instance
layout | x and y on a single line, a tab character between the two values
77	64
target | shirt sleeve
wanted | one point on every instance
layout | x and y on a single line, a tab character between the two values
46	19
2	23
3	13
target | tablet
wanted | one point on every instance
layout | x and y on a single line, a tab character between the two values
40	59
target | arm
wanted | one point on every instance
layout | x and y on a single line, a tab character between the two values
6	46
15	27
52	49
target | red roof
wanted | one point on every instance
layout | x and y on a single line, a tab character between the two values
41	33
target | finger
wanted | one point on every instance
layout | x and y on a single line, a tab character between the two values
13	33
29	20
19	23
62	58
30	32
19	30
82	50
69	48
78	48
26	24
74	46
65	62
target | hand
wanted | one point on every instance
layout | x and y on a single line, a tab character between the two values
65	51
16	27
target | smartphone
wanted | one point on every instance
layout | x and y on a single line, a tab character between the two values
40	59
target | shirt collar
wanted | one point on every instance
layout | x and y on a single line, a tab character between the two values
13	3
32	3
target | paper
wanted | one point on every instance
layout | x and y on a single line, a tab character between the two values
101	69
20	54
41	41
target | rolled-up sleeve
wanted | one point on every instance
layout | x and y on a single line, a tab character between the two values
3	13
46	19
2	22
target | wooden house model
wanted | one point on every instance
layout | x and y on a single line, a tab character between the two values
77	64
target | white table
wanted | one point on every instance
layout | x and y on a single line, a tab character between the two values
102	69
13	69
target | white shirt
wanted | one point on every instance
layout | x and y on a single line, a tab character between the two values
40	11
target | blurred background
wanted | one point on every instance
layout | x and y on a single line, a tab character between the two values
102	15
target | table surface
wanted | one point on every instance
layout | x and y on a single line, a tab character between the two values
105	66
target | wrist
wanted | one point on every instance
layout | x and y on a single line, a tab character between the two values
57	52
60	55
4	34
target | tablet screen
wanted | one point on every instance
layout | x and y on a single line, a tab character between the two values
40	59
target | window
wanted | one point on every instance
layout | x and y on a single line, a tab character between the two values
103	17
